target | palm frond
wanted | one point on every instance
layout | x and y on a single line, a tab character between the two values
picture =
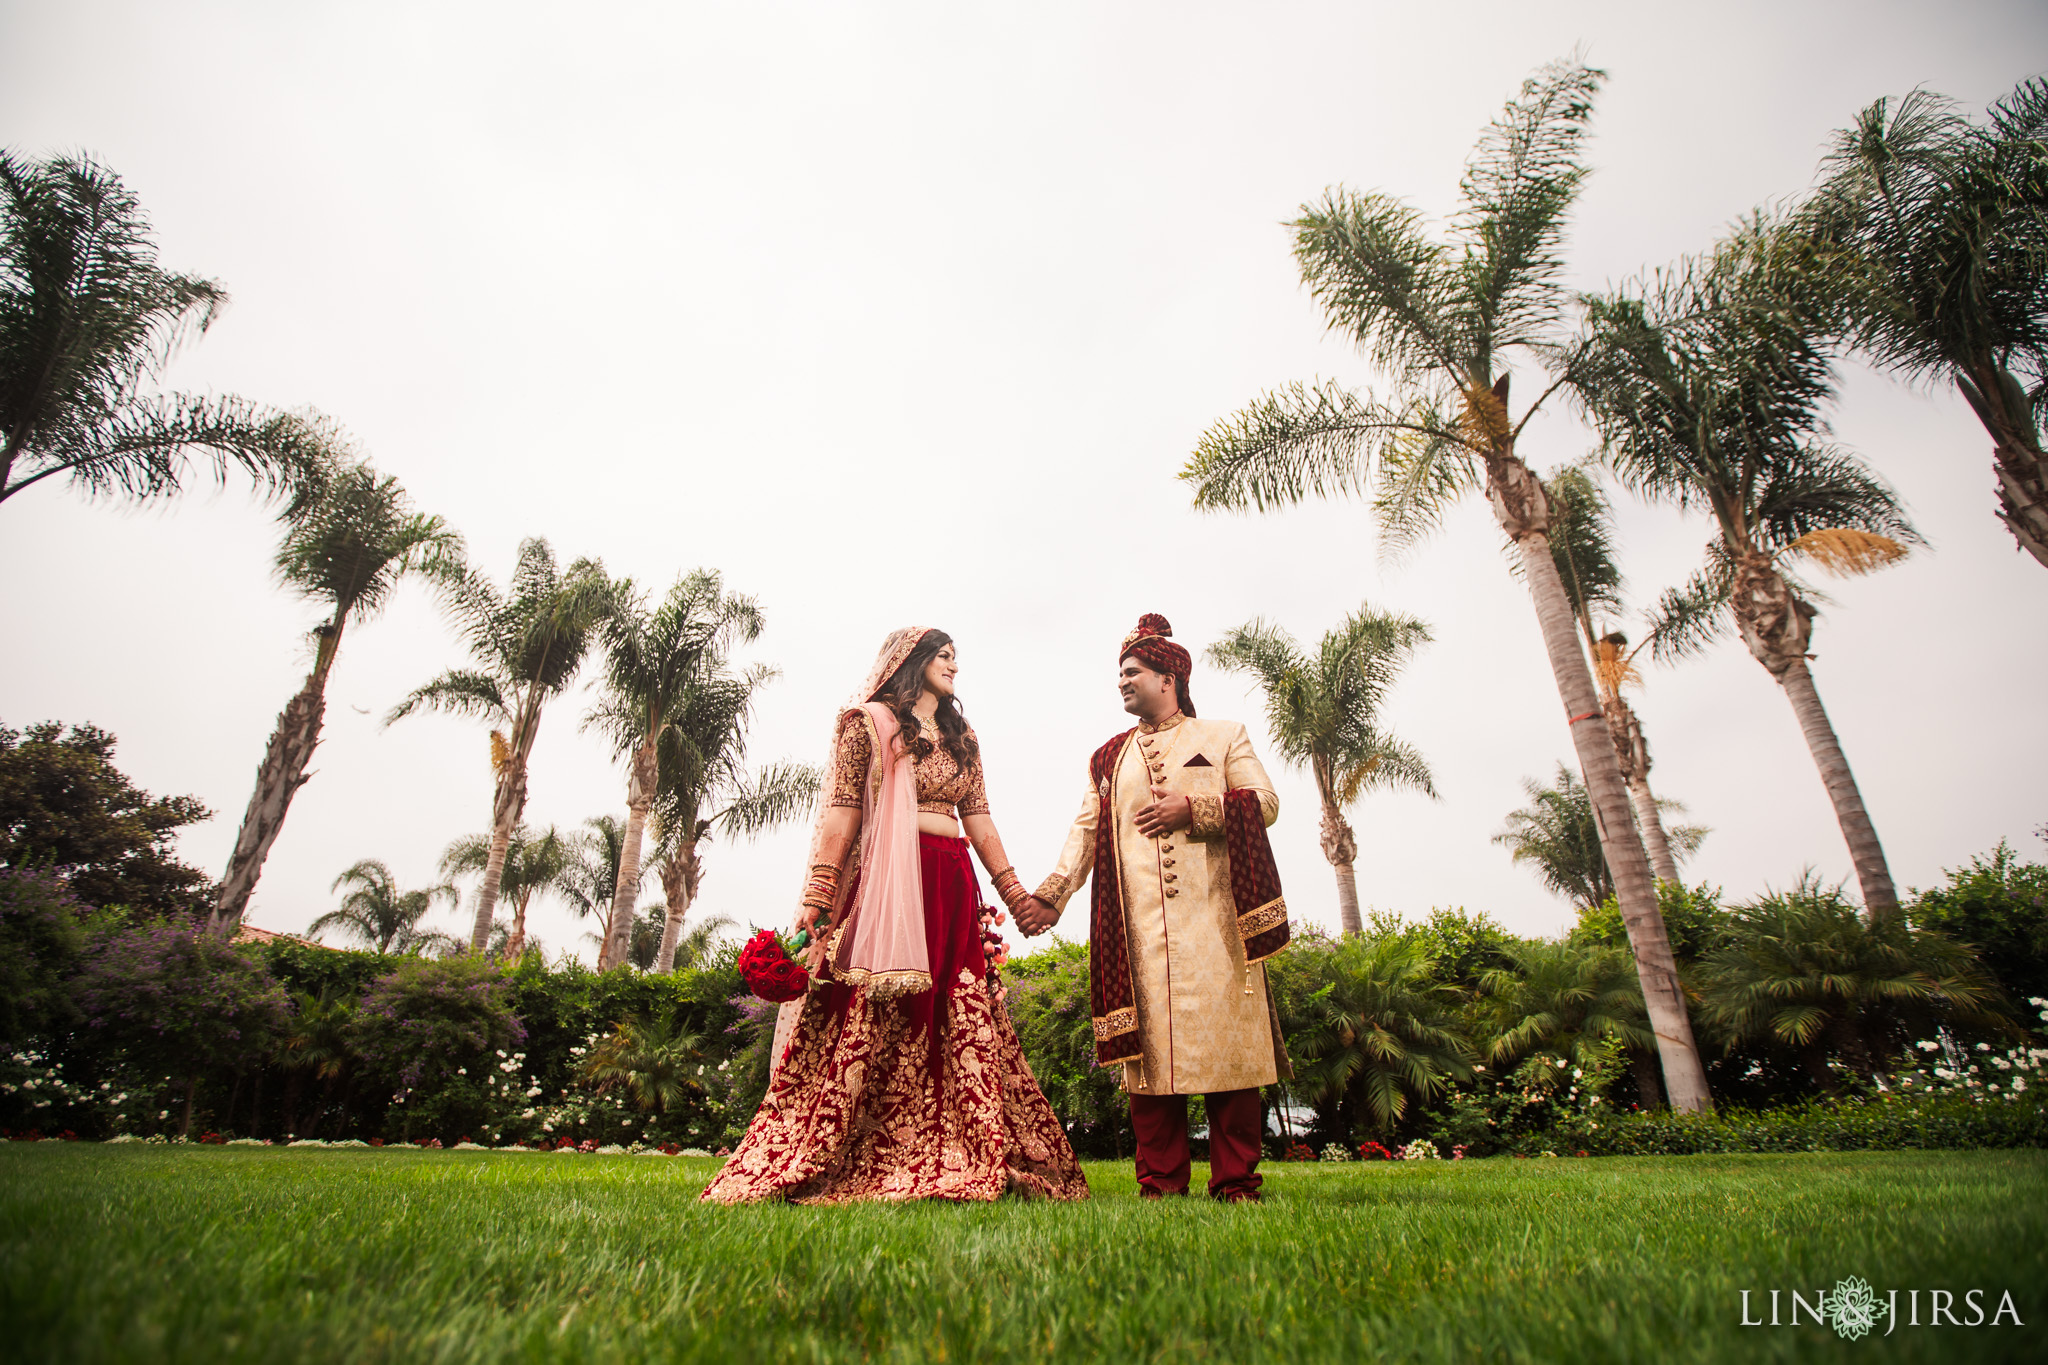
458	692
1688	619
1296	443
1518	190
1379	279
778	794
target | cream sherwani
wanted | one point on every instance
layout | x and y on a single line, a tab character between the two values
1204	1021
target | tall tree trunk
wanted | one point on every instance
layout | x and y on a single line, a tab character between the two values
1524	512
2016	458
278	779
507	805
640	784
1655	843
1633	752
1340	846
680	873
1776	625
515	942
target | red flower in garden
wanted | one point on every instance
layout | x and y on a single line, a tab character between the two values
769	971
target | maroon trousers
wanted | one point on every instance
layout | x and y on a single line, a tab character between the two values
1161	1124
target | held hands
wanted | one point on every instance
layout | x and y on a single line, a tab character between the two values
1166	814
1034	916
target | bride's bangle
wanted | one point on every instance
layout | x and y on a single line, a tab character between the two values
1010	887
822	888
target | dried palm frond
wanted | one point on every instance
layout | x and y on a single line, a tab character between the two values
501	752
1615	669
1848	553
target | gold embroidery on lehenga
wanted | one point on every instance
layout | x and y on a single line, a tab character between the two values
856	1112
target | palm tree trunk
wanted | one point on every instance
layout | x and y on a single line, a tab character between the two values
1340	846
1523	509
507	806
679	873
639	797
278	779
1873	874
1633	754
1777	625
515	942
2016	458
1655	844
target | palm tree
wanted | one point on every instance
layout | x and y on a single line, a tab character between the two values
647	1058
1323	712
592	877
1708	393
317	1040
1379	1033
694	949
1562	1001
529	864
347	545
88	321
1443	319
654	661
1582	543
529	641
1557	833
375	911
1801	969
1933	243
704	788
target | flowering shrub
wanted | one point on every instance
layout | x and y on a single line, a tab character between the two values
1336	1151
429	1020
180	1001
1373	1151
1420	1150
33	1087
1300	1151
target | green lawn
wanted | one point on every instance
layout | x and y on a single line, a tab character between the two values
223	1255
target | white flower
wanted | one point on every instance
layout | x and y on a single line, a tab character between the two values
1560	1063
533	1092
1925	1046
501	1052
1577	1074
1983	1047
2001	1063
462	1071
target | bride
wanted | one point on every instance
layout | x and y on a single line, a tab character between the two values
898	1076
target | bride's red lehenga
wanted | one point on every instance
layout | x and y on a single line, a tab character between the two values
922	1095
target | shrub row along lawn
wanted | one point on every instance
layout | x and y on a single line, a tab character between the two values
228	1255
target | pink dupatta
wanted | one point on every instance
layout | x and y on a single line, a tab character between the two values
877	938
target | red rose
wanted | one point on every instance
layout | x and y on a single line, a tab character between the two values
769	972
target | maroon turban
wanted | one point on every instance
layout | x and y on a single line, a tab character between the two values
1151	644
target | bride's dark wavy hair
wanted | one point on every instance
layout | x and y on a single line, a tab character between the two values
900	695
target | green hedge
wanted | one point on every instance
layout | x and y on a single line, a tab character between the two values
1886	1123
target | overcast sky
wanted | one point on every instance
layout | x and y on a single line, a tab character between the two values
910	313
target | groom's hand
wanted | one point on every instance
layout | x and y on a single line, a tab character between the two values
1034	916
1166	814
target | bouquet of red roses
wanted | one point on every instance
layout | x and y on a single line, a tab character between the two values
769	970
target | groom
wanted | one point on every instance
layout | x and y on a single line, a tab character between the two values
1186	904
